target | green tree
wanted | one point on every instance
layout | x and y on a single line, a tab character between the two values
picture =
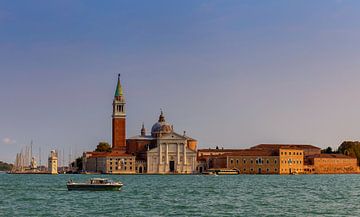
5	166
78	163
103	147
350	148
328	150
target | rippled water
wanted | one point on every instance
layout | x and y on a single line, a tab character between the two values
187	195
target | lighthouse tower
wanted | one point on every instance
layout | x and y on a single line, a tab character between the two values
118	120
53	162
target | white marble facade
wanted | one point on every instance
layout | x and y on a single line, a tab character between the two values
171	155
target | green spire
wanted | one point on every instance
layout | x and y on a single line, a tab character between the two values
119	90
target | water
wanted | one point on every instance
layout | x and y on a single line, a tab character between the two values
187	195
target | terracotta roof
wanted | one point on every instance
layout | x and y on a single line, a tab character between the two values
285	146
108	154
250	152
219	150
241	152
330	156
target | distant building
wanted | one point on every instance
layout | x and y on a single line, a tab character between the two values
276	159
111	163
164	151
53	163
330	164
272	159
117	161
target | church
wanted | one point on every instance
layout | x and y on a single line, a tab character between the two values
163	151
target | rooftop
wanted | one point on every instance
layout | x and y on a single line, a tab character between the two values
107	154
285	146
331	156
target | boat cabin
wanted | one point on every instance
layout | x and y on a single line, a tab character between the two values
100	181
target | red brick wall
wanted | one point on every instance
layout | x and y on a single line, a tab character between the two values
135	146
217	162
335	165
119	134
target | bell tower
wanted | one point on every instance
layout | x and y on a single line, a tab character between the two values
119	119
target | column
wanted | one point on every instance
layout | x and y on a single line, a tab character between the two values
148	162
160	154
178	153
166	157
185	154
160	159
193	165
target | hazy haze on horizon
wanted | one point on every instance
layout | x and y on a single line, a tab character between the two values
230	73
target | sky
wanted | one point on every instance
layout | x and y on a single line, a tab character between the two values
231	73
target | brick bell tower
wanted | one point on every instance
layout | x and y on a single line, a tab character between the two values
118	120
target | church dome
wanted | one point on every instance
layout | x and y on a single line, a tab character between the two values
161	127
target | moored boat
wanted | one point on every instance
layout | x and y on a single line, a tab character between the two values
95	184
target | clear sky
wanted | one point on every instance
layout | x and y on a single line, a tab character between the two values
230	73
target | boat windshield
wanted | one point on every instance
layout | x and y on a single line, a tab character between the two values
100	181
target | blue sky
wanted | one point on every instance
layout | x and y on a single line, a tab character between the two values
230	73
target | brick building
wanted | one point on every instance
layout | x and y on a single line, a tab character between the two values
163	151
118	161
330	164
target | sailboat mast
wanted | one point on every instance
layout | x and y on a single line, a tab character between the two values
31	152
40	158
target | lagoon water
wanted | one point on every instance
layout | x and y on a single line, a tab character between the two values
184	195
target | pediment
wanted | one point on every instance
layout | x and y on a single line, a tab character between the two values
173	136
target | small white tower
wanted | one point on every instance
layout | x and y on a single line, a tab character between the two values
53	163
33	164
